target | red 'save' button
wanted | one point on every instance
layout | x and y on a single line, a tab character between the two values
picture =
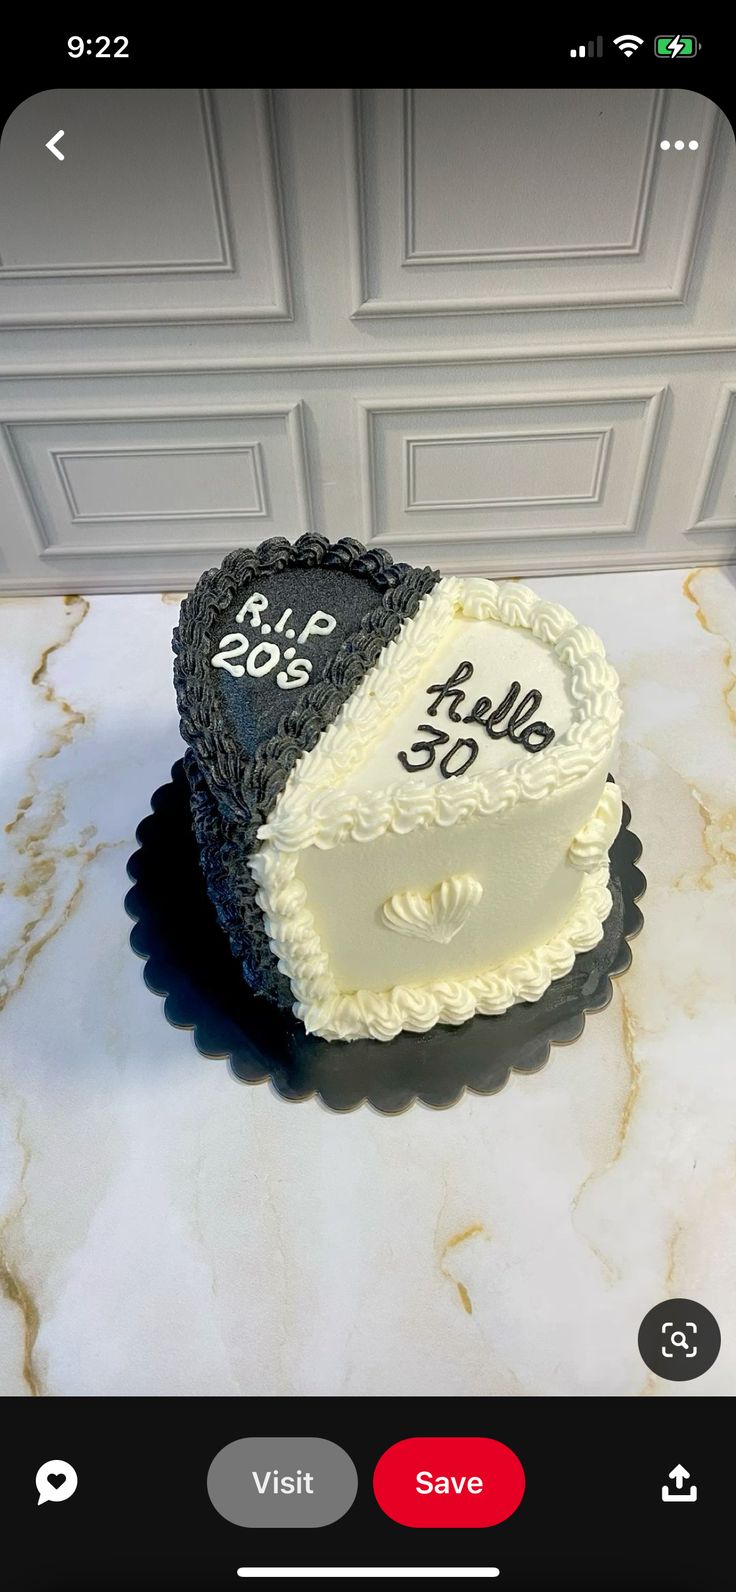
449	1481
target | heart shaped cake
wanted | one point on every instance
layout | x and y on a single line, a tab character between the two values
398	783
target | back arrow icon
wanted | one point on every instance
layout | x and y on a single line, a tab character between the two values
53	142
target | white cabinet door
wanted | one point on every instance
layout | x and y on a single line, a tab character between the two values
494	330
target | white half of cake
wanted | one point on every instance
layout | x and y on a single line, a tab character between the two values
443	850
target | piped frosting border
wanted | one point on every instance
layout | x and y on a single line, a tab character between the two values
382	1014
313	809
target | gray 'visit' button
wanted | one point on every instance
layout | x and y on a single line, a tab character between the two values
282	1481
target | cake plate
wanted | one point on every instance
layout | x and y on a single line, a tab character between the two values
188	960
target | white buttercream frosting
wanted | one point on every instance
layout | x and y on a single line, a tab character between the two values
593	842
316	808
438	916
382	1014
510	818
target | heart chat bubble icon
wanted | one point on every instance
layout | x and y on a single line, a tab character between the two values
56	1481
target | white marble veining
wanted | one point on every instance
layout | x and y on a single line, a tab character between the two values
167	1230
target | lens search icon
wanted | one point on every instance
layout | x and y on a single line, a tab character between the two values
56	1481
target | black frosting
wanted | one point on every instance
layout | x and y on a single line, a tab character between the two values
256	706
241	750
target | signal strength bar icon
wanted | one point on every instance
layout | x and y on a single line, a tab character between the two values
594	47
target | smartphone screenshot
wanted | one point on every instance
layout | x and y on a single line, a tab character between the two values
367	806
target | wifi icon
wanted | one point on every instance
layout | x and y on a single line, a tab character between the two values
627	43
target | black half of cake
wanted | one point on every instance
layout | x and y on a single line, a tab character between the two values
267	650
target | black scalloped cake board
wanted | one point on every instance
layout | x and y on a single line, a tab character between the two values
188	960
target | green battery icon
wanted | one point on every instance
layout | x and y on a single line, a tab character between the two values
674	45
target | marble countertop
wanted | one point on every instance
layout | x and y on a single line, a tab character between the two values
165	1229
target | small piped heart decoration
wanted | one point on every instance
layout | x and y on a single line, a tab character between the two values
438	916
